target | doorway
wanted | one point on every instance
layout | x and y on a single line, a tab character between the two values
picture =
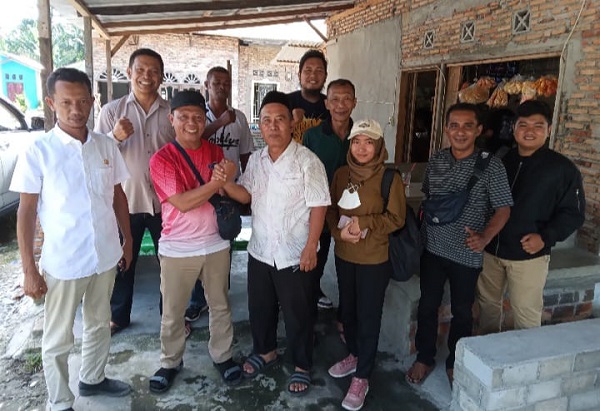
415	116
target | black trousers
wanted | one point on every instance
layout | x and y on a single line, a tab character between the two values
122	297
293	290
435	271
322	254
362	293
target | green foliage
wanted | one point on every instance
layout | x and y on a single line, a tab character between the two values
21	102
33	361
67	42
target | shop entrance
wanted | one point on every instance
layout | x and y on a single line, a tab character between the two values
415	116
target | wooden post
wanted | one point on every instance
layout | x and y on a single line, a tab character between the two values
45	39
230	102
109	84
89	60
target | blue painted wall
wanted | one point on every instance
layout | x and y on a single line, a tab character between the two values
22	74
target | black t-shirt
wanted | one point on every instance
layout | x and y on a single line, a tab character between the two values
314	113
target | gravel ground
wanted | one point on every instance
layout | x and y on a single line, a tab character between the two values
21	379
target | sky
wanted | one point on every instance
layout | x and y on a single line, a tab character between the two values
21	9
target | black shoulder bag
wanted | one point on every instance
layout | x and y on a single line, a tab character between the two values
227	209
404	247
447	208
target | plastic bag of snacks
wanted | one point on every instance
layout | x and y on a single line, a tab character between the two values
474	94
546	86
486	82
514	85
499	98
528	91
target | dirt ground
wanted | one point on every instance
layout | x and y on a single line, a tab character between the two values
21	379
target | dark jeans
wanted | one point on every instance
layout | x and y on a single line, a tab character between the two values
435	271
198	300
292	289
122	297
362	293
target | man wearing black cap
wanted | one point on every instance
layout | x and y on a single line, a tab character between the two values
287	185
190	245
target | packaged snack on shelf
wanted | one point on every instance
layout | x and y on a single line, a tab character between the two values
546	86
486	82
514	85
528	91
474	94
499	98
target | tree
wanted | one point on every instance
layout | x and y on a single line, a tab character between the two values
67	42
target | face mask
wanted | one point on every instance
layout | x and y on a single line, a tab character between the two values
350	199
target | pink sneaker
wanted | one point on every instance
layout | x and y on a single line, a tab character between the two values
355	398
345	367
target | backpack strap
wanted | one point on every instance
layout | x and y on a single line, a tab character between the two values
386	185
481	163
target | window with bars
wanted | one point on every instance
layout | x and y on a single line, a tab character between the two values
428	39
191	79
521	21
467	32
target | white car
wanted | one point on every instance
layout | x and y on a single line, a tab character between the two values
15	136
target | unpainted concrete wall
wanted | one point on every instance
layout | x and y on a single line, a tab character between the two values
369	57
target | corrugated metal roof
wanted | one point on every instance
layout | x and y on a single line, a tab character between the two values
293	51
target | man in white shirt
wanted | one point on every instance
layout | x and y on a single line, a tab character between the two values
139	122
287	186
228	128
71	178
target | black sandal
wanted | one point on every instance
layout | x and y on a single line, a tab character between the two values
299	377
162	379
230	371
258	365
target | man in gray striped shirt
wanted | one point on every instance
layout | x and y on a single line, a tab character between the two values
453	251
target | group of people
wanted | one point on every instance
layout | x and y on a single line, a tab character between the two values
153	164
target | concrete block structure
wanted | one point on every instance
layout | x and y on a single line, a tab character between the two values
549	368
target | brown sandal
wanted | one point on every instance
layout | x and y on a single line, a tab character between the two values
418	373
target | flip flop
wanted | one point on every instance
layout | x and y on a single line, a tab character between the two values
299	377
230	371
259	365
162	379
424	370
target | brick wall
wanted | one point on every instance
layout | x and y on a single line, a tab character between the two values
578	122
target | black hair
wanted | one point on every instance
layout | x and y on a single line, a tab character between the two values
217	69
532	107
464	107
67	74
275	96
149	53
313	53
341	82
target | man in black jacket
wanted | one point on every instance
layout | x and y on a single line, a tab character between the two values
549	205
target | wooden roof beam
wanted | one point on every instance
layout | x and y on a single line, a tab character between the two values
84	11
196	6
316	30
118	46
196	28
217	19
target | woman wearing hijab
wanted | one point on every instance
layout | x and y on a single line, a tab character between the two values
360	226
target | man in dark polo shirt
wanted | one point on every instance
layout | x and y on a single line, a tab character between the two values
308	103
329	142
453	251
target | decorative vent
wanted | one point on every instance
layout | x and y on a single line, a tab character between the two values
467	32
521	21
169	78
191	79
428	40
117	75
